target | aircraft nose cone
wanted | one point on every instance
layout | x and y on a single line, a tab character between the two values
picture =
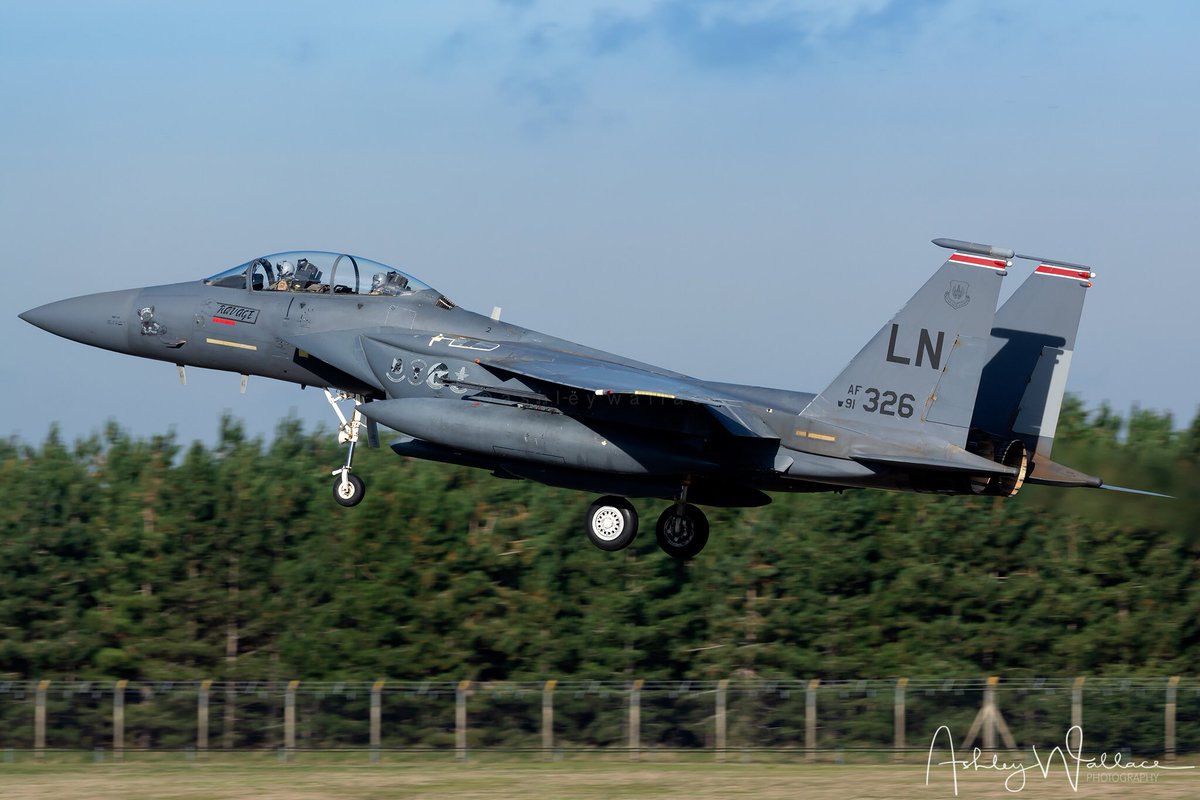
101	320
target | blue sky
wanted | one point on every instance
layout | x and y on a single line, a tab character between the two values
742	191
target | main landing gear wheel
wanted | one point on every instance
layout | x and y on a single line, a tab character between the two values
348	490
612	523
682	531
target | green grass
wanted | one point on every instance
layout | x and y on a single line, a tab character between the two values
349	776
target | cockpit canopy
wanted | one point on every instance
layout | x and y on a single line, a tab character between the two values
321	272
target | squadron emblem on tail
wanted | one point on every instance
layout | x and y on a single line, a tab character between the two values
956	296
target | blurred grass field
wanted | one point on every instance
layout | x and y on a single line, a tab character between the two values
339	777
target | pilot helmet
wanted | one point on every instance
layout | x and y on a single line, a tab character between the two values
377	281
286	269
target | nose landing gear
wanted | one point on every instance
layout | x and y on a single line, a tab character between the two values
348	489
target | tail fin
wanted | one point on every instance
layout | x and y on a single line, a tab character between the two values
1029	355
921	371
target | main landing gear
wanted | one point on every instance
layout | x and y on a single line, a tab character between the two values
682	530
612	523
348	489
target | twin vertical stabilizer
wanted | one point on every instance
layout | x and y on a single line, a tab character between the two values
921	371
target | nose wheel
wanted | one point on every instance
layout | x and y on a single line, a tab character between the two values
348	489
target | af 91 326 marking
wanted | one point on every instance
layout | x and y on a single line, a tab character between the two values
880	401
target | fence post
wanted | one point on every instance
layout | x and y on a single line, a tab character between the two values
119	719
722	686
989	721
39	719
989	703
899	717
227	737
460	720
810	719
289	720
1172	686
1077	712
548	718
635	718
202	718
376	719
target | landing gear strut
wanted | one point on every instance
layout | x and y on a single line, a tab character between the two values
348	489
682	530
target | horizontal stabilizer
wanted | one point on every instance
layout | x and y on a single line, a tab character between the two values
1045	472
1050	473
961	462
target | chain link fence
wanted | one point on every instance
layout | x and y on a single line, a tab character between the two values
729	719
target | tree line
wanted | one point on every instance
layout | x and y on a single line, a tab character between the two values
147	559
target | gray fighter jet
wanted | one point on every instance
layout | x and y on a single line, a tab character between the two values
950	396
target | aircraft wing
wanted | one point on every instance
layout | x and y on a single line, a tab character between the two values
600	377
593	375
570	371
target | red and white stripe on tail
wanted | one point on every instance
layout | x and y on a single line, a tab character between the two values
1073	273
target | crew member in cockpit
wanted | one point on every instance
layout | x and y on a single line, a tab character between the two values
389	283
286	272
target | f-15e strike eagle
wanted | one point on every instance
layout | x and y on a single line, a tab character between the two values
950	396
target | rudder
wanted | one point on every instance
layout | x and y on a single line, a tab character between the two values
1029	356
